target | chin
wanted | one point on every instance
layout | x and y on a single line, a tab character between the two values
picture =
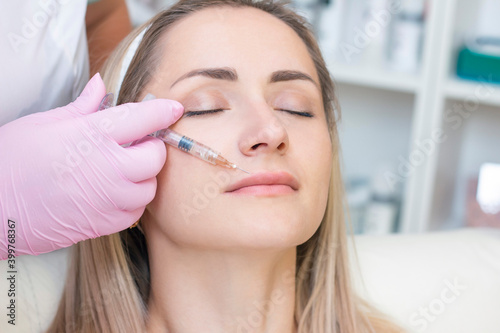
274	229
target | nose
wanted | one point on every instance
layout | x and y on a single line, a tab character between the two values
264	133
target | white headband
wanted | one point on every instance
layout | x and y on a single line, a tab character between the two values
127	59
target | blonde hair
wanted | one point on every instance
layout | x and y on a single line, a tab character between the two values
107	287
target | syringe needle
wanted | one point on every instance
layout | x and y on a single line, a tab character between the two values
225	163
241	169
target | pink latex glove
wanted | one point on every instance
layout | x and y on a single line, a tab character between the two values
65	178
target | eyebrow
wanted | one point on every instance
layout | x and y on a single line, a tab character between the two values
229	74
223	73
288	75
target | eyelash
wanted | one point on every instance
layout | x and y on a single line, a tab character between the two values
298	113
204	112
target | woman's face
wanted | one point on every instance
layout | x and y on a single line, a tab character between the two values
250	91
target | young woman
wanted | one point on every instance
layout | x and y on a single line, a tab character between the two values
219	250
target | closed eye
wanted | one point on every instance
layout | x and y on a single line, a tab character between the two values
298	113
205	112
201	112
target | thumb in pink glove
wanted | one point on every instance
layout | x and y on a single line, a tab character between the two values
65	178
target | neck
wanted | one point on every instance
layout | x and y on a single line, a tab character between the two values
203	290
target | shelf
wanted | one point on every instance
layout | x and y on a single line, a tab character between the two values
481	92
374	97
374	78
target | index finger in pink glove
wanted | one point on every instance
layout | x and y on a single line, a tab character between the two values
129	122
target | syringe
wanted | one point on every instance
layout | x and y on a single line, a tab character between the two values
181	142
194	148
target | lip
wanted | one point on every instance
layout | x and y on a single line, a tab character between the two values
265	183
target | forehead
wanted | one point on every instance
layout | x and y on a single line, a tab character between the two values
247	39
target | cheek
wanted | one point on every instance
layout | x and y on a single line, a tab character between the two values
324	161
177	182
187	207
316	152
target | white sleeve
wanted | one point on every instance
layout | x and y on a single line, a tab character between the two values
44	58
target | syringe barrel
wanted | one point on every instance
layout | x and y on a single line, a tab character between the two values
188	145
169	136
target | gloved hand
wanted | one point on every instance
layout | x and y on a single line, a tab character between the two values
65	178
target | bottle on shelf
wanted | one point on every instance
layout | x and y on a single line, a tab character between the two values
406	37
382	211
358	197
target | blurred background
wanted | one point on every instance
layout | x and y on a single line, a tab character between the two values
419	88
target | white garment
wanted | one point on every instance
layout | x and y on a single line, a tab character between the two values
43	55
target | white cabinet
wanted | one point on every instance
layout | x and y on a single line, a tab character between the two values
430	128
